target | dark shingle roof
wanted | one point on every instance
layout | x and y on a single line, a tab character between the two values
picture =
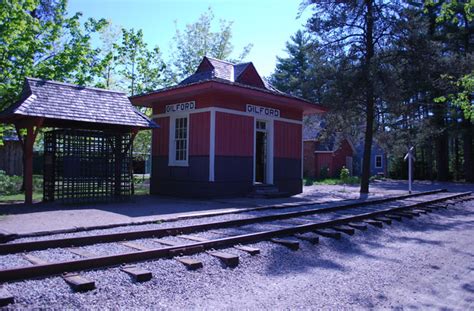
63	101
221	72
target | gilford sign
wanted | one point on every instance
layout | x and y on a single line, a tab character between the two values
181	107
263	111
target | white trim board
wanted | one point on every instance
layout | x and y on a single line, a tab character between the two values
212	146
230	111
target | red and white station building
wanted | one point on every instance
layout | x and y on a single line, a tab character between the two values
224	130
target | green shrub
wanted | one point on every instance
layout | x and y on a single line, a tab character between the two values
344	175
324	172
9	184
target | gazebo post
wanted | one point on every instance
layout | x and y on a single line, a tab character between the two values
28	175
27	143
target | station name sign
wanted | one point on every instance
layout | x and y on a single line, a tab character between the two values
181	107
263	111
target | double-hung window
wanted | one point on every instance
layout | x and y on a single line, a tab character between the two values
378	161
179	143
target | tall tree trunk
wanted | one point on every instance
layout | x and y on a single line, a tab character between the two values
370	101
457	173
441	145
468	130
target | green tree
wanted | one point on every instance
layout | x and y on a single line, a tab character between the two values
141	69
198	40
304	72
38	38
361	29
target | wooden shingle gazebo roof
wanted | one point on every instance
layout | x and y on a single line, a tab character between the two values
71	106
62	105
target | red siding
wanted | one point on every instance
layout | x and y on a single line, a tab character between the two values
309	161
199	132
250	76
334	160
324	160
160	137
340	155
287	140
234	135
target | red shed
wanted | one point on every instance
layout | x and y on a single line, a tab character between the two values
224	130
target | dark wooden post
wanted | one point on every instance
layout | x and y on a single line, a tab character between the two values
27	143
28	175
118	165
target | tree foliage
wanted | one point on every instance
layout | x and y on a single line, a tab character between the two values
197	40
419	76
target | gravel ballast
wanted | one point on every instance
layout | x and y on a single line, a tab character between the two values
425	263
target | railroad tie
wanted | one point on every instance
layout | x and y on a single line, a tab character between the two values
328	234
344	229
293	245
394	217
407	212
74	280
82	252
385	220
426	209
35	260
6	298
78	283
311	239
137	274
437	205
251	250
189	263
401	214
374	223
229	260
358	226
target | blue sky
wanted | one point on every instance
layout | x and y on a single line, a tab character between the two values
266	24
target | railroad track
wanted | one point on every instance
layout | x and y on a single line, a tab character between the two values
305	225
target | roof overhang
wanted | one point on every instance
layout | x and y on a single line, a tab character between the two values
25	121
180	92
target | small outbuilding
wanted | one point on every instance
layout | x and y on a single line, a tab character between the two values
88	149
225	131
325	158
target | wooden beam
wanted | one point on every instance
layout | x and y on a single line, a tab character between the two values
27	142
28	165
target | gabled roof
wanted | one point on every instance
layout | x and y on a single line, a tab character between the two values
68	102
333	143
225	74
211	68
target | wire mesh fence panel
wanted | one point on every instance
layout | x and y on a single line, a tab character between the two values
83	166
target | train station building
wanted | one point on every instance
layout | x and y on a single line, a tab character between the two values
224	131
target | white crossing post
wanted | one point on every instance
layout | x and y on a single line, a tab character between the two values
410	158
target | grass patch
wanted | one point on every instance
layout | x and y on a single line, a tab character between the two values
352	180
9	198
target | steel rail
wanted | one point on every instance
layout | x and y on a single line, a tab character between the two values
49	269
18	247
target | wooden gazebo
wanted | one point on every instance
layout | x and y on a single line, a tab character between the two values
94	118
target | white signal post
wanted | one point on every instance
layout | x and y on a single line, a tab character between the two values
409	156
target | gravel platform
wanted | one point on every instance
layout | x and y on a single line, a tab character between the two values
423	263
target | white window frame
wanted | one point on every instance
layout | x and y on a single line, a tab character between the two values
381	161
172	141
